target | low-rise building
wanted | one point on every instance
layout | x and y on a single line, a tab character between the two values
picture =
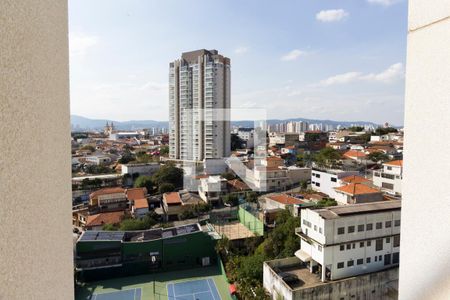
139	208
176	203
97	221
97	159
389	179
353	193
108	199
211	188
140	168
344	241
282	201
326	180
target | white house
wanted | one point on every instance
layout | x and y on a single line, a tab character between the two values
98	159
390	178
211	188
140	168
325	181
350	240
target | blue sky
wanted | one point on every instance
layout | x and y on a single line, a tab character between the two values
324	59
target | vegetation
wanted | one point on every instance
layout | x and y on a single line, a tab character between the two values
356	128
382	130
144	181
252	197
169	174
86	183
128	224
326	202
195	211
236	142
230	199
165	188
304	159
164	150
327	157
378	157
88	148
143	157
246	269
126	157
97	169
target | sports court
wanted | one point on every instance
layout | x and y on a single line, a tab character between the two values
203	289
130	294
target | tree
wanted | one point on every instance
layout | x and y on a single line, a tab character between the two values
327	157
326	202
169	174
143	157
356	128
236	142
231	199
164	150
137	224
126	157
378	157
303	185
165	188
252	197
144	181
383	131
109	227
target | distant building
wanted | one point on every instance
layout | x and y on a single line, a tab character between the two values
199	80
326	180
389	179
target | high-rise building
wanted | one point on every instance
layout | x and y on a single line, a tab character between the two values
199	90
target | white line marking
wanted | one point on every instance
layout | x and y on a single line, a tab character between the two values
212	294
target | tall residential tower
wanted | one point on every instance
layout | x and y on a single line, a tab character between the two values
199	90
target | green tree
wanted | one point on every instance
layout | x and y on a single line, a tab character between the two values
356	128
378	157
144	181
169	174
236	142
327	157
126	157
164	150
326	202
143	157
137	224
382	130
231	199
252	197
109	227
165	188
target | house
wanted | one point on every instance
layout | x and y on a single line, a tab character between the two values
108	199
140	168
389	179
353	193
98	159
325	180
176	203
97	221
280	201
139	208
355	155
211	188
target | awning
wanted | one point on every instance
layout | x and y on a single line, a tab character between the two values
302	255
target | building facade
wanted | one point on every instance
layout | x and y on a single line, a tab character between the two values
389	179
199	90
344	241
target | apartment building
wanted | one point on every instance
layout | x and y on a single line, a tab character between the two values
344	241
389	179
199	85
326	180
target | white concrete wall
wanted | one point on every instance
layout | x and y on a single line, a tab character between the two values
425	256
35	208
325	184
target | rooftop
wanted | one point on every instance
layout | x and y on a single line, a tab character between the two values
106	191
104	218
357	189
141	203
397	163
335	212
172	198
285	199
136	193
355	179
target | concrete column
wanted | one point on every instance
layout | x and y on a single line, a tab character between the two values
36	258
425	242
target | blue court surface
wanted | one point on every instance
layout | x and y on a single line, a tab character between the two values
204	289
132	294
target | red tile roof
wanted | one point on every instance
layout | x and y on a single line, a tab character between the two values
398	163
172	198
355	179
357	189
104	218
136	193
106	191
238	185
285	199
140	203
354	154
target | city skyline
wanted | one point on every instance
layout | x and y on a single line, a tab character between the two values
341	60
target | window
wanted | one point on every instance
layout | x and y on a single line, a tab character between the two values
341	230
387	259
395	258
361	244
389	168
320	229
353	245
380	257
376	258
342	247
349	246
388	186
333	179
315	227
340	265
379	225
360	261
388	240
397	241
350	263
317	175
317	184
351	229
360	228
379	245
388	224
368	260
369	243
397	223
369	227
319	247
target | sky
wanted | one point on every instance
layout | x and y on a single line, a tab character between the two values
322	59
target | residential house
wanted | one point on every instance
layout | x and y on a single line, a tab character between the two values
97	221
326	180
389	179
353	193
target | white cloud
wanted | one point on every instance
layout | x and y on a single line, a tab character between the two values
391	74
383	2
79	43
331	15
293	55
241	50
